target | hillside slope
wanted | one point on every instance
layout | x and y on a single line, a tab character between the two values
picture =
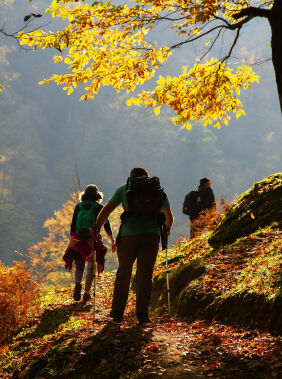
239	282
225	320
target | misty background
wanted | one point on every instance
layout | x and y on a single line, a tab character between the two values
45	134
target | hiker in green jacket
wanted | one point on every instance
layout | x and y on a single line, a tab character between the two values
138	240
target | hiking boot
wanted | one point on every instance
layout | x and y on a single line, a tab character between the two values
86	297
117	316
77	292
143	318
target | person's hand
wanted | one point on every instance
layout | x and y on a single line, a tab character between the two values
168	232
113	247
93	235
90	257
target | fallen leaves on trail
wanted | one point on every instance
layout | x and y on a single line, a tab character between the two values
183	253
253	264
63	340
250	263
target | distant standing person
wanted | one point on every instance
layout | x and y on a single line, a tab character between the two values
143	201
82	243
197	201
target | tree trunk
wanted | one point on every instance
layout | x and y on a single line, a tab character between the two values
276	44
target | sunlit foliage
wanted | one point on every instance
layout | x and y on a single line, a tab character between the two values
47	255
19	295
106	44
210	218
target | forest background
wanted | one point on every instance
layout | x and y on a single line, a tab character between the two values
45	135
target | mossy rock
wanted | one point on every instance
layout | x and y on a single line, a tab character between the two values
179	280
258	207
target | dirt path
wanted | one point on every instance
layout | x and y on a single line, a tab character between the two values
173	348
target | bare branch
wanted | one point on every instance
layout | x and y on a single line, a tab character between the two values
197	37
211	46
15	34
252	12
232	47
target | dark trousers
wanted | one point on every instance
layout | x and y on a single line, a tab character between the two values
143	248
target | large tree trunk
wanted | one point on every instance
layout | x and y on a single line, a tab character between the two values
274	16
275	21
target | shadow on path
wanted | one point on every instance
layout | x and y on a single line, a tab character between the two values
113	352
51	319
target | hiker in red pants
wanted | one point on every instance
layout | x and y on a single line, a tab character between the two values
143	201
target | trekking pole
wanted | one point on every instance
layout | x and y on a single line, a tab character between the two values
164	239
167	281
94	283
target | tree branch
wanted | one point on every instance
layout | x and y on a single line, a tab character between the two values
211	46
197	37
232	47
251	12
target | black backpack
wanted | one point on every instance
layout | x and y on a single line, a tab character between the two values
145	198
192	203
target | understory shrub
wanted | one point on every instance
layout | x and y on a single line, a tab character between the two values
19	297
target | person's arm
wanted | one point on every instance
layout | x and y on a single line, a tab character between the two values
210	198
108	230
114	201
73	222
107	225
104	215
168	219
101	219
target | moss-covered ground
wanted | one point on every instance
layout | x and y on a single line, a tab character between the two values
228	283
258	207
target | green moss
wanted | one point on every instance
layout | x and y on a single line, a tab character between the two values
258	207
251	296
179	279
261	274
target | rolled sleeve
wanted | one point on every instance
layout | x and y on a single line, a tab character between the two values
166	204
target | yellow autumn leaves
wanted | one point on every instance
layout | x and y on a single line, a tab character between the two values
107	45
206	93
98	52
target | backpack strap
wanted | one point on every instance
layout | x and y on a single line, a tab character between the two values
128	183
123	217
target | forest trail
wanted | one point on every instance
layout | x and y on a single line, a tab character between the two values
64	342
174	348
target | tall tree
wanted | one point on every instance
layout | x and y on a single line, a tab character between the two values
107	44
